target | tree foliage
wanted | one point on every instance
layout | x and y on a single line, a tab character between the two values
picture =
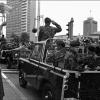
15	39
24	38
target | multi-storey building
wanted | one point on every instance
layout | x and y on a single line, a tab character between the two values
89	26
21	18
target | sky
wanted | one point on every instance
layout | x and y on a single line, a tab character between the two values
62	11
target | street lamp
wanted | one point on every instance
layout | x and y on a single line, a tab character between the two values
38	19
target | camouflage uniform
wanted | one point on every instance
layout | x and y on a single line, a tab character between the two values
46	32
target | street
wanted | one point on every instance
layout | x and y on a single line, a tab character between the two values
12	89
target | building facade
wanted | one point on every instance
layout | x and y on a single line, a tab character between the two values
89	26
21	18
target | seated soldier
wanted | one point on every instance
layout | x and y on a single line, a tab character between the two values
92	57
71	59
57	55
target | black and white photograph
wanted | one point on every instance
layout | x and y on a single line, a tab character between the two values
49	50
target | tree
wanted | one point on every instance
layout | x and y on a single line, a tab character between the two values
15	39
24	38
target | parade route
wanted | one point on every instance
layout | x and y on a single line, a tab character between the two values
11	91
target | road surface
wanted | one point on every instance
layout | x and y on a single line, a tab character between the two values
12	89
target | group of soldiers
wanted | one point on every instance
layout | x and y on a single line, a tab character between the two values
76	56
71	55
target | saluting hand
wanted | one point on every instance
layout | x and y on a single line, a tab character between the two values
53	22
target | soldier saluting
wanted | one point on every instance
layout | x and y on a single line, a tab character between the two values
48	31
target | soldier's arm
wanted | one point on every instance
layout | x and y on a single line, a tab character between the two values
58	27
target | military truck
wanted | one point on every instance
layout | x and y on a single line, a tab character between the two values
71	74
53	82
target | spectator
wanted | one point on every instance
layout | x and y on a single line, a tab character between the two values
47	31
2	42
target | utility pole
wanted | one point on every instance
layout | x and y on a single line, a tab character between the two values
38	19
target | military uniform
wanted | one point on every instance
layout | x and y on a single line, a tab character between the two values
46	32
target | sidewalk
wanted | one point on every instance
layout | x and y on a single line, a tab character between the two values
11	92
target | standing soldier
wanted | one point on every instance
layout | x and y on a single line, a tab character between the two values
48	31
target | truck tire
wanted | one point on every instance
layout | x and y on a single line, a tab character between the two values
22	81
47	92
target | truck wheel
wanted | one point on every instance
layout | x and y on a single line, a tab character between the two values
22	81
48	92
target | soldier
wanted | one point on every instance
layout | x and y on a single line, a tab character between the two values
47	31
2	41
58	54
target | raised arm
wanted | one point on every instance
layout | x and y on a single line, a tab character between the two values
58	27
